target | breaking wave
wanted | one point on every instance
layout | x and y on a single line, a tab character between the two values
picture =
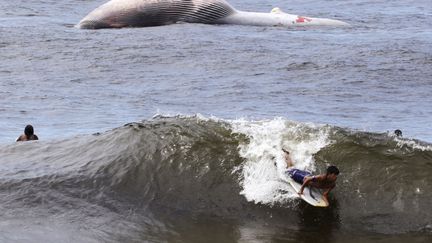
228	168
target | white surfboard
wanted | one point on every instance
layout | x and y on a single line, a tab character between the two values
313	196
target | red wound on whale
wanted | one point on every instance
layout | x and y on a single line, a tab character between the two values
301	19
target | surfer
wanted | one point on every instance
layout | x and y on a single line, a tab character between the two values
28	134
325	181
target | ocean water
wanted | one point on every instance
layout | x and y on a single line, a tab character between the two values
174	133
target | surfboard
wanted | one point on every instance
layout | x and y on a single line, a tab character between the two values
313	196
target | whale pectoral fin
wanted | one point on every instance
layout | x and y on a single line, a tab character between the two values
277	11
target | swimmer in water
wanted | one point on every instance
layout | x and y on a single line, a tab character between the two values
28	134
398	133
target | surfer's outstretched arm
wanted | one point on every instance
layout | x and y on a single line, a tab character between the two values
306	182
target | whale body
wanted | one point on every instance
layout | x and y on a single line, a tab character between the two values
144	13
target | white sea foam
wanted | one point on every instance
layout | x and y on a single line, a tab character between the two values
413	144
265	167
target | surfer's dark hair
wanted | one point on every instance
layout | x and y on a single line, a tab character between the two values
332	170
28	131
398	132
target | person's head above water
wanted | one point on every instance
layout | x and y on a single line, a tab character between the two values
332	170
28	134
29	131
398	133
332	173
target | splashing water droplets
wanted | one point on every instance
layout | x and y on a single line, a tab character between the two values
265	168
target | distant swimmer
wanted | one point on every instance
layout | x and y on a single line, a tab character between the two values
325	181
398	133
28	134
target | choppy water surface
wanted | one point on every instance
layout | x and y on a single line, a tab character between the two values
193	179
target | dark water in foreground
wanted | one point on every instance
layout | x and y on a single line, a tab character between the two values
193	179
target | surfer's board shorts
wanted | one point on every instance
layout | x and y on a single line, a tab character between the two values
298	175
